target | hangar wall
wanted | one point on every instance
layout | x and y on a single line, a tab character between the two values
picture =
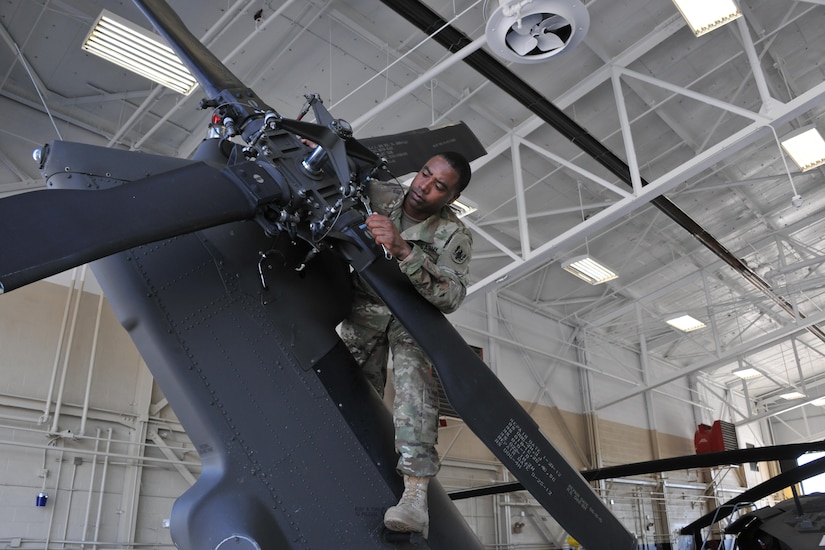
82	421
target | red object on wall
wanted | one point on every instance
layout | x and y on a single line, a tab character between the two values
712	439
701	439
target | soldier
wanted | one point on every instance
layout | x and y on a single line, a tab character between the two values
433	248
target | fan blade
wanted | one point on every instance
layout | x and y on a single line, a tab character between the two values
521	44
552	23
47	232
486	406
549	41
525	24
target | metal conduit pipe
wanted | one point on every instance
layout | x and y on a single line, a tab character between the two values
131	459
44	469
54	505
129	426
25	419
508	520
151	545
47	407
58	403
91	489
123	418
496	519
102	486
85	414
428	21
70	498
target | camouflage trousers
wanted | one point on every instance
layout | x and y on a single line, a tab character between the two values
415	406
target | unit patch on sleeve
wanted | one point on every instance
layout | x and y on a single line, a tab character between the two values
459	255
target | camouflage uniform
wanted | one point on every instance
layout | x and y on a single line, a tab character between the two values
437	267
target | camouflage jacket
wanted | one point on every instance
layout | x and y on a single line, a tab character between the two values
438	265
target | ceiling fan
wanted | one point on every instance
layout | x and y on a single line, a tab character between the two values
531	31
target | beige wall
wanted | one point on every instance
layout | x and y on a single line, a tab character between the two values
31	330
136	499
568	432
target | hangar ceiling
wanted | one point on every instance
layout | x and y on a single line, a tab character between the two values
696	119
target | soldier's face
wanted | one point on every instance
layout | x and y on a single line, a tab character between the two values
435	186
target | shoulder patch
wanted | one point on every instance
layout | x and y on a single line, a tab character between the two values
459	255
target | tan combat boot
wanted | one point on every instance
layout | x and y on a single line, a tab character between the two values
410	514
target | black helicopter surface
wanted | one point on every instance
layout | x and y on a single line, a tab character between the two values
230	272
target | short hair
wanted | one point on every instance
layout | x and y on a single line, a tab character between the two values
458	163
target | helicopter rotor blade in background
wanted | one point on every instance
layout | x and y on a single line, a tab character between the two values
407	152
705	460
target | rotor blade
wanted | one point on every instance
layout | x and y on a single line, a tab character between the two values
705	460
407	152
776	483
47	232
208	70
239	106
486	406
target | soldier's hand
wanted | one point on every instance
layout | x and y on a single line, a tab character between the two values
386	234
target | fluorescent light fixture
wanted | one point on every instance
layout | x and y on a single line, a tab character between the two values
463	207
703	16
819	402
806	147
747	373
125	44
589	270
685	323
791	395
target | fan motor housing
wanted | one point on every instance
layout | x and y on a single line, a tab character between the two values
534	30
